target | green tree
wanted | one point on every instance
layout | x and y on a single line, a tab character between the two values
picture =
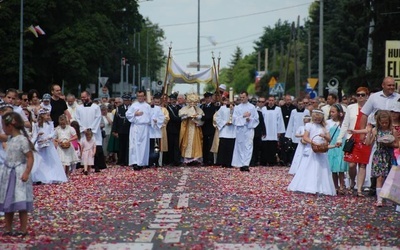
81	36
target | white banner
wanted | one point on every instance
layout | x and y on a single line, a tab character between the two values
178	75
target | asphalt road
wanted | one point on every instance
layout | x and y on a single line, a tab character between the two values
200	208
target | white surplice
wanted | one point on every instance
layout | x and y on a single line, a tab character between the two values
155	126
295	121
139	135
244	134
90	117
222	117
274	123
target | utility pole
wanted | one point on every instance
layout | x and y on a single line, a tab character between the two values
321	50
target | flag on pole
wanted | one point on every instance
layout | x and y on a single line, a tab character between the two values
33	30
39	30
272	82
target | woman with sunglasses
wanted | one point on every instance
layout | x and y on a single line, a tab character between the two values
361	152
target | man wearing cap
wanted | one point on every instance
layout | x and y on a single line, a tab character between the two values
208	129
120	130
222	91
173	128
139	114
58	105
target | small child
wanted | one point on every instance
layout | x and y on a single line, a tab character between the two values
76	144
335	155
314	175
383	157
88	145
298	155
64	135
16	191
51	169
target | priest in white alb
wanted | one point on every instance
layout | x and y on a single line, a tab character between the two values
245	118
139	115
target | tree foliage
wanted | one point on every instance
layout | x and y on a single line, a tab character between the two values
346	34
81	37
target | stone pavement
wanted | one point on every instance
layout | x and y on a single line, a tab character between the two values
200	208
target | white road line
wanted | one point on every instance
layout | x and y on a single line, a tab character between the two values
162	225
183	200
168	216
14	246
146	236
121	246
173	236
219	246
169	211
167	220
165	201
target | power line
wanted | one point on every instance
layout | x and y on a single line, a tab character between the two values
209	48
234	17
232	40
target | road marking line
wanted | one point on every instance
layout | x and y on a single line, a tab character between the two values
183	200
165	201
219	246
168	216
163	225
169	211
121	246
146	236
14	246
167	220
173	236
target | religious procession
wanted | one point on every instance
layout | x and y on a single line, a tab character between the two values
331	147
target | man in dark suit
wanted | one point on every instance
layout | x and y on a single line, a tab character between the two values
259	131
173	128
208	129
120	130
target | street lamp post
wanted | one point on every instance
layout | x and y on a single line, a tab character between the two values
321	50
198	36
21	46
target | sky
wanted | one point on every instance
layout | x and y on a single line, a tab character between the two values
230	23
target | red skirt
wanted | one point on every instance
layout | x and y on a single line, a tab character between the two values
360	154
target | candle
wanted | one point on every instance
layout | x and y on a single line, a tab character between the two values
231	95
148	96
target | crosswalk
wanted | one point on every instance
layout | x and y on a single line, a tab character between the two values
217	246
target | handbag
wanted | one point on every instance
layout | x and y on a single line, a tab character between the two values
349	145
391	188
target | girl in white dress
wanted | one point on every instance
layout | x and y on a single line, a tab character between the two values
298	155
64	135
314	175
51	169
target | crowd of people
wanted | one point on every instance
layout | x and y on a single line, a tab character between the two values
55	134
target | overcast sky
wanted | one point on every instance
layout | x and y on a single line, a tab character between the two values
231	23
